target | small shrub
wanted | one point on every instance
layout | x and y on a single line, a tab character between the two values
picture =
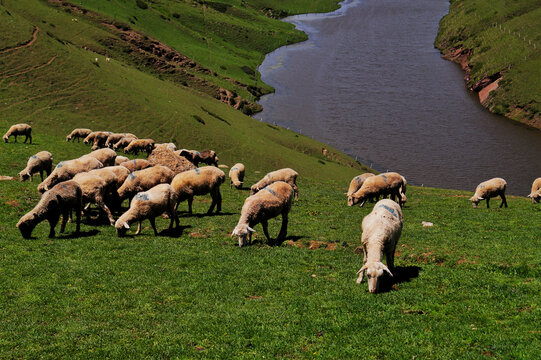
141	4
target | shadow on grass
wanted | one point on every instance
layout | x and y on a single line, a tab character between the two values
82	234
175	233
401	274
185	214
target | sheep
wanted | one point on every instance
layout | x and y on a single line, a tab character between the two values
489	189
381	230
42	161
208	157
120	159
236	175
170	146
61	199
65	170
143	180
19	129
268	203
100	139
357	182
92	136
138	145
113	138
136	164
106	156
390	183
115	177
78	134
160	199
95	190
125	141
286	175
201	181
535	194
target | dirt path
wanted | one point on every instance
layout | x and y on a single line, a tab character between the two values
23	45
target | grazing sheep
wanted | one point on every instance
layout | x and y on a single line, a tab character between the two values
120	159
42	161
95	190
236	175
114	176
208	157
169	146
381	231
268	203
65	170
148	205
143	180
286	175
19	129
90	138
113	138
535	194
106	156
136	164
61	199
78	134
201	181
146	145
100	139
390	183
357	182
489	189
125	141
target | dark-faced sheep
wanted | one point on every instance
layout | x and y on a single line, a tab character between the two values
19	130
208	157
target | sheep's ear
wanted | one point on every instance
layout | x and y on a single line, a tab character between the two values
251	230
529	196
234	232
387	269
126	225
481	198
361	269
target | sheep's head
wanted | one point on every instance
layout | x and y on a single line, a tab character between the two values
121	227
244	233
403	198
374	271
355	199
24	175
475	200
535	196
5	137
253	190
68	138
27	224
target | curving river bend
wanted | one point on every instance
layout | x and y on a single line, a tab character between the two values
370	83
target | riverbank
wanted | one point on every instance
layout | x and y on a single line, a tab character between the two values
499	50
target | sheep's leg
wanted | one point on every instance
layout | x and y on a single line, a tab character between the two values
190	200
295	190
65	216
283	229
40	174
139	227
213	204
104	207
504	201
153	223
265	225
488	207
218	201
78	215
53	220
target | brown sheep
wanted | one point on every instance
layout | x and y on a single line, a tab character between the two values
65	170
42	161
143	180
390	183
136	164
78	134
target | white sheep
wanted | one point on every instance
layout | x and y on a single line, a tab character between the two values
236	175
78	134
125	141
357	182
61	199
143	180
268	203
65	170
19	130
535	194
489	189
42	161
286	175
200	181
114	138
95	190
137	145
381	230
390	183
106	156
148	205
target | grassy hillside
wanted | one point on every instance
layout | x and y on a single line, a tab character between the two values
498	39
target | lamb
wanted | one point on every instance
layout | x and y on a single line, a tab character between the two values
208	157
160	199
95	189
61	199
535	194
106	156
65	170
201	181
138	145
19	129
357	182
78	134
42	161
136	164
489	189
120	159
390	183
143	180
236	174
268	203
113	138
125	141
381	230
286	175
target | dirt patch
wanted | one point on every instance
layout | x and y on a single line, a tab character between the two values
195	234
313	244
253	297
13	203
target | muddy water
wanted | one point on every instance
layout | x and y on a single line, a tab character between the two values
370	82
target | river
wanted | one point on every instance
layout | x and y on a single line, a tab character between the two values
370	83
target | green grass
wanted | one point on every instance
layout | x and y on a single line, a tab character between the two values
505	36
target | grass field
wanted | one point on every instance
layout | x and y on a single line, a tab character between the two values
504	36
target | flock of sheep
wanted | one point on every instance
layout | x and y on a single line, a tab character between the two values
104	178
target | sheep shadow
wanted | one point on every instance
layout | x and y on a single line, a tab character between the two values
401	274
82	234
185	214
176	232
